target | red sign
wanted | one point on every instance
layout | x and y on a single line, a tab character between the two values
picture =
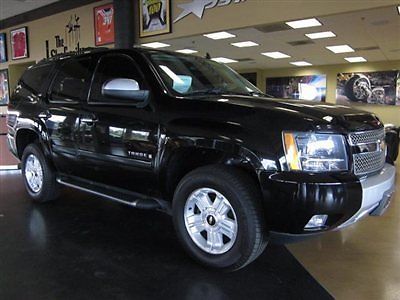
19	43
104	24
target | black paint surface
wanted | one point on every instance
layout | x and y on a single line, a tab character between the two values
84	247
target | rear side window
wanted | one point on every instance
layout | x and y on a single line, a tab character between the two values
72	81
35	77
112	67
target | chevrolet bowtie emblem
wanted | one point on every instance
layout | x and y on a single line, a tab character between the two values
197	7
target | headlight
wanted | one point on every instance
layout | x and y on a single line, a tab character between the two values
315	152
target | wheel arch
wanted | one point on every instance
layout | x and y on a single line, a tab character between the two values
181	157
26	136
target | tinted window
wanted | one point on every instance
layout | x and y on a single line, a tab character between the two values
72	81
112	67
35	77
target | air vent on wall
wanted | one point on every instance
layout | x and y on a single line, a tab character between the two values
273	27
301	43
370	48
244	59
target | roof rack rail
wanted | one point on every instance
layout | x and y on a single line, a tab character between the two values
80	51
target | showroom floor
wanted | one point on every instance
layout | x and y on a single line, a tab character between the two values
360	262
84	247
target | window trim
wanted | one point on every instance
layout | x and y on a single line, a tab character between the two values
100	103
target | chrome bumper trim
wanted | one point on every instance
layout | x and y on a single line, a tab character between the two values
376	193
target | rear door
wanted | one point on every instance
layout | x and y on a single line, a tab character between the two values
68	91
118	139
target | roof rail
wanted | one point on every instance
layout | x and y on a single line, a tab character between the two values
80	51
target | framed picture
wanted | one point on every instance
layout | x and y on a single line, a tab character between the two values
19	43
368	88
155	17
4	88
3	48
104	24
311	87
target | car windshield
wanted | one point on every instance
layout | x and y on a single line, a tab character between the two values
187	75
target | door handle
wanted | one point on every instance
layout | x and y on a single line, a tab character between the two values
44	115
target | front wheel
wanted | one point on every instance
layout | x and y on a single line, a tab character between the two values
219	218
39	175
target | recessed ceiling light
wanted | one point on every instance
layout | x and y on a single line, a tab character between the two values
320	35
244	44
186	51
340	49
313	22
398	9
301	63
155	45
224	60
275	55
219	35
355	59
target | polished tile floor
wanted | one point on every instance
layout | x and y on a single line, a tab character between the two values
359	262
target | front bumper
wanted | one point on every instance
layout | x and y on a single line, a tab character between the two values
291	199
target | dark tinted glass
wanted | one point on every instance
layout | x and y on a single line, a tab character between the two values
72	81
112	67
35	77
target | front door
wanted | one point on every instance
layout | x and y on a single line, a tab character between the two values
118	141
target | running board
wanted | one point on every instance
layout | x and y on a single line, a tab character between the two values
117	195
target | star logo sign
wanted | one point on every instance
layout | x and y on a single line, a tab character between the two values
197	7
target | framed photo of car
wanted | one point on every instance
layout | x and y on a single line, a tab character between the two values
3	48
104	24
380	87
19	43
154	17
4	87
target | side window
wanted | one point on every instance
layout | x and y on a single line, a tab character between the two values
72	80
35	77
112	67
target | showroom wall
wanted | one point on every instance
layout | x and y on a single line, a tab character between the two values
388	114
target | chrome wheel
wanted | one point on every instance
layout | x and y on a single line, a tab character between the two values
34	173
210	221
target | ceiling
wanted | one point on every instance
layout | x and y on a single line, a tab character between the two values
10	8
374	34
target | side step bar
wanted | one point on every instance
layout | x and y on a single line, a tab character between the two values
117	195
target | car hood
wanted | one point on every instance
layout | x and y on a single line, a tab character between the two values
319	113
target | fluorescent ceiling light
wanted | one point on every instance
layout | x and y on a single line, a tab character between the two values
186	51
244	44
340	49
320	35
355	59
275	55
219	35
155	45
301	63
398	9
313	22
224	60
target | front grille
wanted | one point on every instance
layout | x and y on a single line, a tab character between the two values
367	161
367	137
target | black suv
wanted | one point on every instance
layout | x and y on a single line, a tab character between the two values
186	135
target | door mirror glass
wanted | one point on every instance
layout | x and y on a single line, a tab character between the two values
124	89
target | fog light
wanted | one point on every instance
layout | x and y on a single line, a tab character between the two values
316	221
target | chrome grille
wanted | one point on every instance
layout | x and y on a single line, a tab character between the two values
372	161
366	137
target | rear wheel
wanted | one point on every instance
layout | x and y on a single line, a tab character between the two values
219	218
39	176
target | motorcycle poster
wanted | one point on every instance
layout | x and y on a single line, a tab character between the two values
368	88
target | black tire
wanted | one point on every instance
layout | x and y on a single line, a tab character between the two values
349	88
245	198
50	189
